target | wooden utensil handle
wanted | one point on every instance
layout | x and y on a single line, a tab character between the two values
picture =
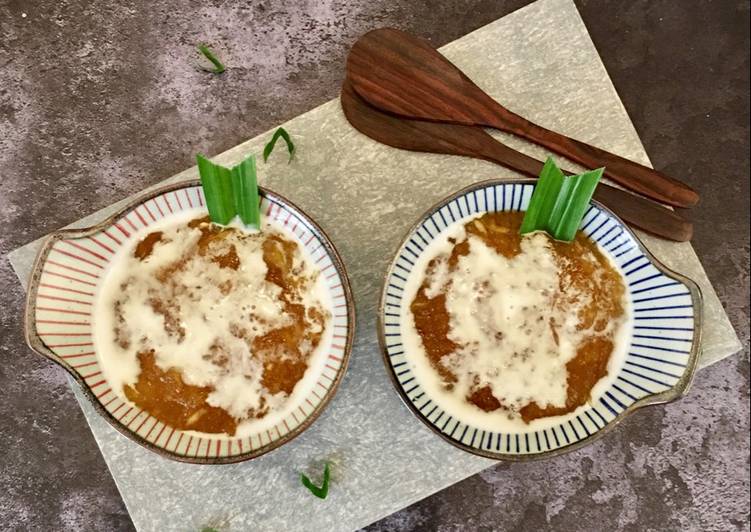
637	211
631	175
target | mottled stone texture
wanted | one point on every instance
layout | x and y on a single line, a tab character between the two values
84	87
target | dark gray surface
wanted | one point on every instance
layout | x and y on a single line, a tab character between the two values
83	89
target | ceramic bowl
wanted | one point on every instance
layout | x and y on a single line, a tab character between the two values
663	341
63	286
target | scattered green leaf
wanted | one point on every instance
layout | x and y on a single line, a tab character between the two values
209	529
321	492
218	66
559	202
231	192
280	132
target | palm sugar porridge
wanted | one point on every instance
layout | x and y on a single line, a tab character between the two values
507	331
212	329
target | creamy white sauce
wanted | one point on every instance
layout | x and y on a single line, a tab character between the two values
489	301
206	313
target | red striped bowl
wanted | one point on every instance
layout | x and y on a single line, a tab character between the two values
63	286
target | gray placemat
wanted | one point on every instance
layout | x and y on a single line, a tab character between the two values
541	63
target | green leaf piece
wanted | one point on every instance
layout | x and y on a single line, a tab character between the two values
218	66
321	492
217	187
245	191
231	192
544	197
559	202
280	132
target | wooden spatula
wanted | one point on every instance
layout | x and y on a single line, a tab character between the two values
399	73
433	137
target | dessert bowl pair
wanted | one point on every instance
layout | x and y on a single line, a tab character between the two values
660	360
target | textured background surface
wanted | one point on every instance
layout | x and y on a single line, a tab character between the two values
81	92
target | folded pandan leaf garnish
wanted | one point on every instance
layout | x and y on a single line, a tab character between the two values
231	192
559	202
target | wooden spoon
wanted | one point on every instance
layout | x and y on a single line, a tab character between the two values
399	73
434	137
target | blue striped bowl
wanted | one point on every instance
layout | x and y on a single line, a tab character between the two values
663	342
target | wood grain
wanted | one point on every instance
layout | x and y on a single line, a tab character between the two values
469	141
402	74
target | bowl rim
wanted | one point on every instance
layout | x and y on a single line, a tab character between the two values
679	389
34	341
